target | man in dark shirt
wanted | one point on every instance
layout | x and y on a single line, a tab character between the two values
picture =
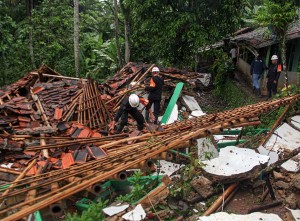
129	106
273	76
155	90
257	69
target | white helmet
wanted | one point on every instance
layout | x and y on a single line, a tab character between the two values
155	69
134	100
274	57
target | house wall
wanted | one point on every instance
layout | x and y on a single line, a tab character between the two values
244	68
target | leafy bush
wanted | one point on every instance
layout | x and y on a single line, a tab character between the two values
94	212
140	188
222	69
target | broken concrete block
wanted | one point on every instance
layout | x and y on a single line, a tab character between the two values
206	149
285	138
203	186
115	209
273	155
137	214
234	164
291	166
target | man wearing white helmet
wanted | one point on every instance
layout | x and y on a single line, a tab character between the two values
129	106
155	90
273	76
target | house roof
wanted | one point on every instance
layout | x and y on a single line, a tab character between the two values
259	39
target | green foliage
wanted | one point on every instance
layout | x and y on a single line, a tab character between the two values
53	35
171	32
277	16
267	120
141	187
94	212
52	23
234	96
182	188
222	69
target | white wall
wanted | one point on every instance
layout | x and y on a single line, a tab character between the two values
244	67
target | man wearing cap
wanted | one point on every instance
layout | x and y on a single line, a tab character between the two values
273	76
129	106
155	91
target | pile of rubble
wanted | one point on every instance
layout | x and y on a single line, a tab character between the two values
54	130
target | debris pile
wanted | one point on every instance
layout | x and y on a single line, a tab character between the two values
59	125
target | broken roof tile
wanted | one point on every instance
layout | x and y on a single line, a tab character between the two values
85	133
58	114
67	160
96	152
24	119
32	171
37	89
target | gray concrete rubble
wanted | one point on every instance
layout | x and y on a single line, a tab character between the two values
285	138
234	217
234	163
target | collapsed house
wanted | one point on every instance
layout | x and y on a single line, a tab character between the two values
55	140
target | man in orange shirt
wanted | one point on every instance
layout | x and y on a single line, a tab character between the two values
273	76
155	90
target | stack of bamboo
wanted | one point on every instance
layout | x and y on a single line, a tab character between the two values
88	108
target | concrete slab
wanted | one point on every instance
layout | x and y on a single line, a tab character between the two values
138	213
235	217
206	148
234	163
296	121
167	168
273	155
291	166
191	103
284	138
295	213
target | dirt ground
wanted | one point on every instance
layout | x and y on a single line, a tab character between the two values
246	199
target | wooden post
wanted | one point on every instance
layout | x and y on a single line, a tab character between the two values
43	143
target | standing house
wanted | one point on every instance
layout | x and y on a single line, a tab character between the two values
263	42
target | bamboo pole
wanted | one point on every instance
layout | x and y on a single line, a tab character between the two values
43	143
149	69
32	193
276	124
60	77
219	201
161	144
19	177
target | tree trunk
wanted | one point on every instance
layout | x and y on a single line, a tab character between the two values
283	57
76	37
117	33
30	36
3	83
126	30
